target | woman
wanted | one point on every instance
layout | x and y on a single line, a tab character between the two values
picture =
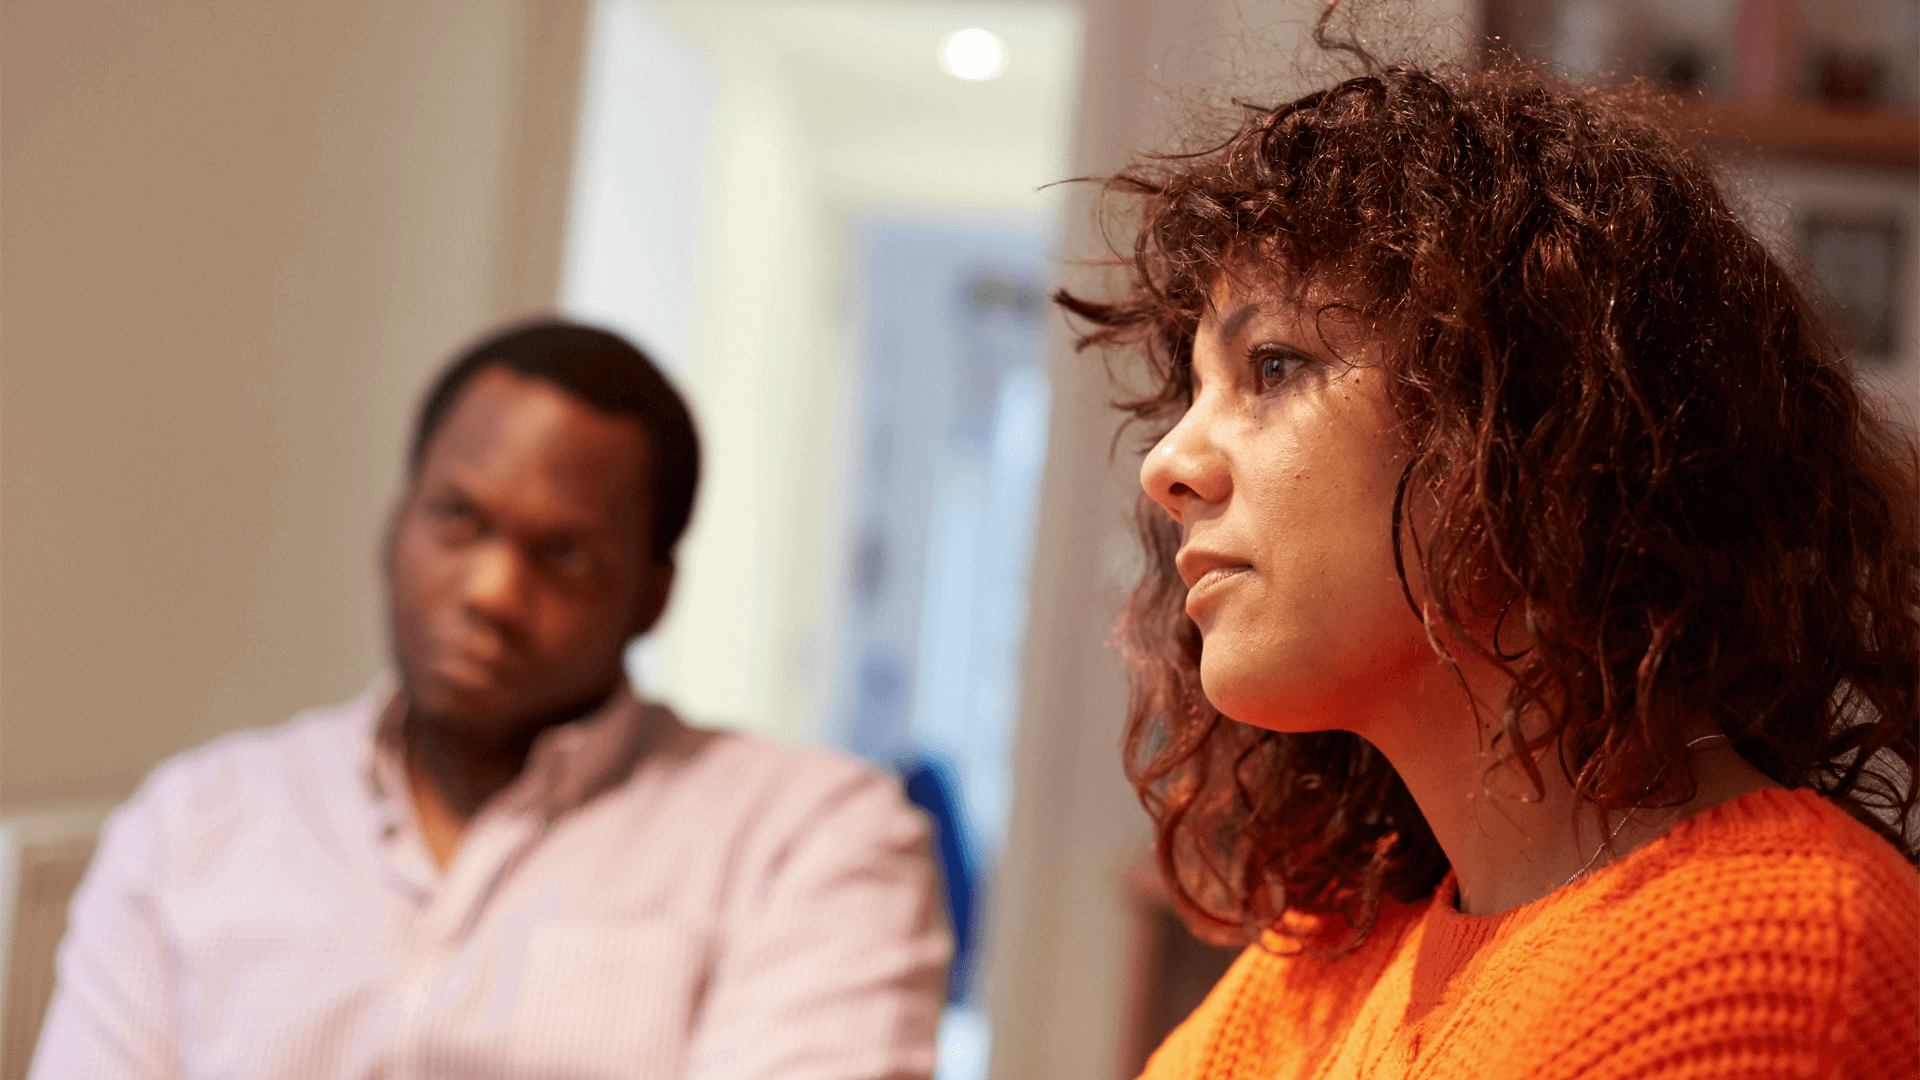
1526	658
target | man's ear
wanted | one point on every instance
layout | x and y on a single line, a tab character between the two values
391	535
655	586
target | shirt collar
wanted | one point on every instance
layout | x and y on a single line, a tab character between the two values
568	764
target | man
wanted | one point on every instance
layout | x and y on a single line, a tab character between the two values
506	865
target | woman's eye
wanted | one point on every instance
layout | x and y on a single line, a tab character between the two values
1271	367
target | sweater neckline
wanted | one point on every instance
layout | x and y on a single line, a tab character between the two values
1451	938
1767	804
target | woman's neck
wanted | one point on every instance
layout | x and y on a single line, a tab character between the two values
1509	843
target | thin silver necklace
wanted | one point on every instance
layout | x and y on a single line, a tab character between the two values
1608	842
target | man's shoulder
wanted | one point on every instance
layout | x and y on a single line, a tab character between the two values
229	773
766	787
756	762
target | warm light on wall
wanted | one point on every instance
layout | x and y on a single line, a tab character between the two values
974	55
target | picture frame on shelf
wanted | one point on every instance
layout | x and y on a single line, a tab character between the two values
1856	258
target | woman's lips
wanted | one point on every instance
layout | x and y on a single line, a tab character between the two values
1209	585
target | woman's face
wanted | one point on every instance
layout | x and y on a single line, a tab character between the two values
1281	476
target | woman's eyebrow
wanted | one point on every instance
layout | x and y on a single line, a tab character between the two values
1231	326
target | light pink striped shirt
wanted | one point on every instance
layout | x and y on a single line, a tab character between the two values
646	900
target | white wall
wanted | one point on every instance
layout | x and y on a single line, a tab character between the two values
721	249
639	202
695	228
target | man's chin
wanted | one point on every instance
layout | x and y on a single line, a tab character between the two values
455	707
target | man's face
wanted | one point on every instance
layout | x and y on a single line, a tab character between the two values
519	562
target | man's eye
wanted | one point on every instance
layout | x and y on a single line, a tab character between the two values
456	520
569	560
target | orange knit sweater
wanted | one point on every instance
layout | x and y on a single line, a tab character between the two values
1772	936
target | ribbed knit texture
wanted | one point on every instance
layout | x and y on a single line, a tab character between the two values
1772	936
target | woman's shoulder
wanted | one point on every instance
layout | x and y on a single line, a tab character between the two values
1774	925
1789	869
1771	857
1775	921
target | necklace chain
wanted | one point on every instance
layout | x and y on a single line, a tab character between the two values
1608	842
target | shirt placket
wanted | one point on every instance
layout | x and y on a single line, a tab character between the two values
446	927
451	905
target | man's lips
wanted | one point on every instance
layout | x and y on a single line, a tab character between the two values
468	663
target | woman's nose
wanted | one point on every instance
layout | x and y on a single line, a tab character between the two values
1185	469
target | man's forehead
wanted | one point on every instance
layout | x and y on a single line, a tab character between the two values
508	428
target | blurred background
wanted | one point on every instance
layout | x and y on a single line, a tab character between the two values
237	236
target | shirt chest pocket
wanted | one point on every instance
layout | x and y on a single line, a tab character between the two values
610	996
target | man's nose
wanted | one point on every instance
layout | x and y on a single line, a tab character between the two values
1186	468
497	582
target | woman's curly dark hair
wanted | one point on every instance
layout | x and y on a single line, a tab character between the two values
1640	447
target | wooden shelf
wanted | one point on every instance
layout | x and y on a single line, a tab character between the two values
1807	132
1804	130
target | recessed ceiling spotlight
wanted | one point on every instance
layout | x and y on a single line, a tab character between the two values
974	55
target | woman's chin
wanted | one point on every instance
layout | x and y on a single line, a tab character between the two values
1262	700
